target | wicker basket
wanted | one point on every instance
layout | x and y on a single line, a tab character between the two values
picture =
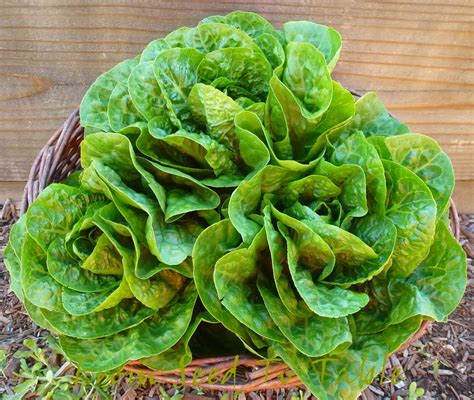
56	160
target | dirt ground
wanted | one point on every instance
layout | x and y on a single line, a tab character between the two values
441	362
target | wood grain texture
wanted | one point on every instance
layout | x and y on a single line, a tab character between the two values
418	55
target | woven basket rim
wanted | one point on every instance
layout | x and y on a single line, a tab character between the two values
60	157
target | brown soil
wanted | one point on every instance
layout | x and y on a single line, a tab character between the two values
441	362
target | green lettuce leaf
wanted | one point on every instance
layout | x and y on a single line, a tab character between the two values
424	157
436	286
154	336
410	206
327	40
94	105
235	277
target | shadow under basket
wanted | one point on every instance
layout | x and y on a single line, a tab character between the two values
59	158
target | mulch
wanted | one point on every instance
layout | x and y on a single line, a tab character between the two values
441	362
15	326
14	322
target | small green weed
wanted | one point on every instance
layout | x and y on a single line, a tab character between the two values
38	375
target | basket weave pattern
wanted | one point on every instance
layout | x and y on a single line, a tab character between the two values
59	158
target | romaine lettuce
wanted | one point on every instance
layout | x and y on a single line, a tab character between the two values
225	162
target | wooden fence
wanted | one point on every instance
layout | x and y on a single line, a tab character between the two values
417	54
